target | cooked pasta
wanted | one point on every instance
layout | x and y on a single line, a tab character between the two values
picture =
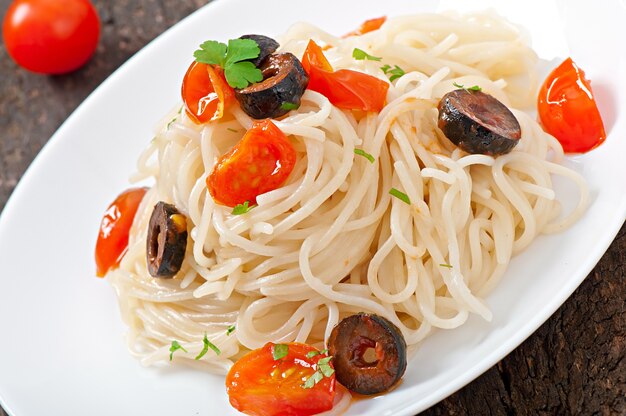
332	240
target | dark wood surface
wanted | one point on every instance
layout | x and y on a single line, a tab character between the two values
574	364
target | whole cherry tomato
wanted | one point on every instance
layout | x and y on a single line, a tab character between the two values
205	92
368	26
568	111
113	237
259	163
260	385
51	36
345	88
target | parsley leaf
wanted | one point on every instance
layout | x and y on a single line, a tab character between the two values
366	155
211	52
175	347
241	50
360	54
233	58
400	195
395	72
449	266
280	351
472	88
289	106
315	378
208	344
312	354
230	330
241	74
241	209
323	370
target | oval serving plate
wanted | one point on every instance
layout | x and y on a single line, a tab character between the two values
63	349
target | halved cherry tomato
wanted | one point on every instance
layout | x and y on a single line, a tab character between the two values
261	386
345	88
51	36
113	237
568	111
259	163
368	26
205	92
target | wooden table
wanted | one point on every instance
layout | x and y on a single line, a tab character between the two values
574	364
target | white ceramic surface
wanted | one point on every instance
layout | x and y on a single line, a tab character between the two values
62	349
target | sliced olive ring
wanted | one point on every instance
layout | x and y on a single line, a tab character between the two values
478	123
267	46
284	82
351	341
167	241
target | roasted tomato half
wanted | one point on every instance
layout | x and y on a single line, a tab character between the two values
113	237
205	92
568	110
259	163
276	380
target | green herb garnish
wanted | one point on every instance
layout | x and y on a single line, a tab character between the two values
233	130
280	351
175	347
208	344
449	266
312	354
230	330
289	106
360	54
241	209
315	378
239	72
170	123
395	72
400	195
472	88
366	155
323	370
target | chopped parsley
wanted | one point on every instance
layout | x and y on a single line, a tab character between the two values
233	130
360	55
239	72
175	347
449	266
312	354
170	123
366	155
472	88
289	106
241	209
400	195
393	73
323	370
208	344
230	330
280	351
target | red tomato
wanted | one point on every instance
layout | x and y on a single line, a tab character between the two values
347	89
259	163
114	228
51	36
205	92
368	26
568	111
261	386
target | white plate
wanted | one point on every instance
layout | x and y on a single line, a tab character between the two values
62	349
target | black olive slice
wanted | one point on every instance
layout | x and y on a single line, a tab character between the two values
167	240
284	82
369	353
478	123
266	44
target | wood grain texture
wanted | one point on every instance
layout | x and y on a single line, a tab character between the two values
574	364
